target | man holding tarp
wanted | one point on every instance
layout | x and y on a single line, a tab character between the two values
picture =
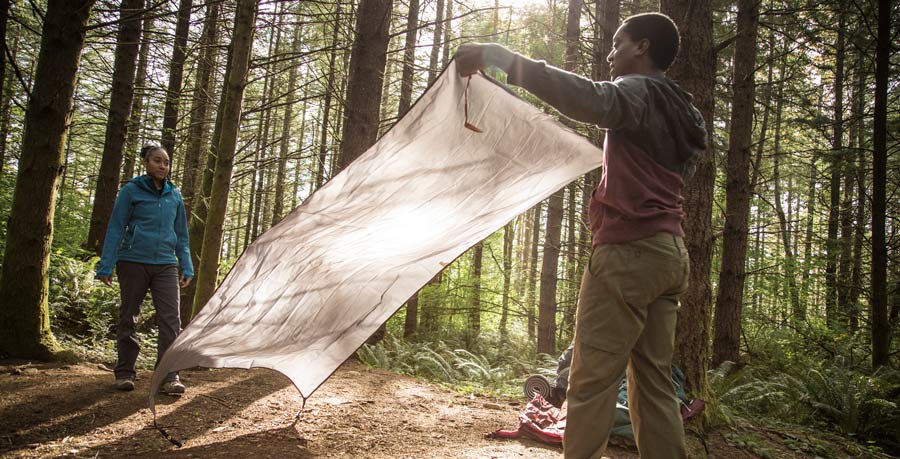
639	266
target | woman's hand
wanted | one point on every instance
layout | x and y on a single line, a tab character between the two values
106	280
185	281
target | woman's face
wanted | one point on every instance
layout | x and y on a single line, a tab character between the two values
157	164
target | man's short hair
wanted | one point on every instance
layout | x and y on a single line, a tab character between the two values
662	33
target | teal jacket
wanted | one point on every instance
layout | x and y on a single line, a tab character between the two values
147	226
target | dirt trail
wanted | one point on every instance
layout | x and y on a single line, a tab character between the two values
73	411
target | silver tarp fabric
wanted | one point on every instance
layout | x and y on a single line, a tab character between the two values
308	292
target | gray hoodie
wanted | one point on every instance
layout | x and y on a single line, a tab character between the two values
654	138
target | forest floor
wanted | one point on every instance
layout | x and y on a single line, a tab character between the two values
72	410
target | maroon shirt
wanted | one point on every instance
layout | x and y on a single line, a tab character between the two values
636	197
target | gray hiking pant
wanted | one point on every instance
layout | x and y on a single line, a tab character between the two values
134	281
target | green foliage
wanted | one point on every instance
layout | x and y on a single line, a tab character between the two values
808	390
83	312
500	373
80	306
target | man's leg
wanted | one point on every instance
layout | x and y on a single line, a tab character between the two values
652	404
605	329
133	283
165	292
654	408
592	394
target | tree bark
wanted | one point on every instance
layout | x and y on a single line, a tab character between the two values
474	319
730	298
367	63
406	87
133	136
201	101
798	312
695	70
436	41
448	33
176	77
507	276
807	243
860	176
5	94
122	95
329	91
532	269
242	39
278	209
881	328
837	152
24	284
197	226
546	338
410	323
409	58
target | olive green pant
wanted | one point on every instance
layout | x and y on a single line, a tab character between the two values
626	316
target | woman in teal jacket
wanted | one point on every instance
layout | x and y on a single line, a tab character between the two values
146	240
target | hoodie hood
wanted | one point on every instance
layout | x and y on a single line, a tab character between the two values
674	132
145	182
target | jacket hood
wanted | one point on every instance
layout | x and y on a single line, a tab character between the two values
145	182
677	132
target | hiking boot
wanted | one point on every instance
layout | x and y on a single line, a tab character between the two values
172	387
125	384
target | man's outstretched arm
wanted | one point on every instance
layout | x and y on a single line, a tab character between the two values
612	105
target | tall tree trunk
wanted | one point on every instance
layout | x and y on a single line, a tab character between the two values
121	97
808	237
798	312
607	12
5	93
329	93
695	70
296	184
837	152
507	276
367	63
406	87
411	322
133	136
200	103
881	327
24	283
730	298
197	226
278	208
532	270
176	77
861	202
571	294
436	42
409	58
448	33
242	39
265	141
546	338
474	320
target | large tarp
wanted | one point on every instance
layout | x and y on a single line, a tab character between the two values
309	291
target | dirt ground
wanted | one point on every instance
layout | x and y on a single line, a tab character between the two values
49	410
